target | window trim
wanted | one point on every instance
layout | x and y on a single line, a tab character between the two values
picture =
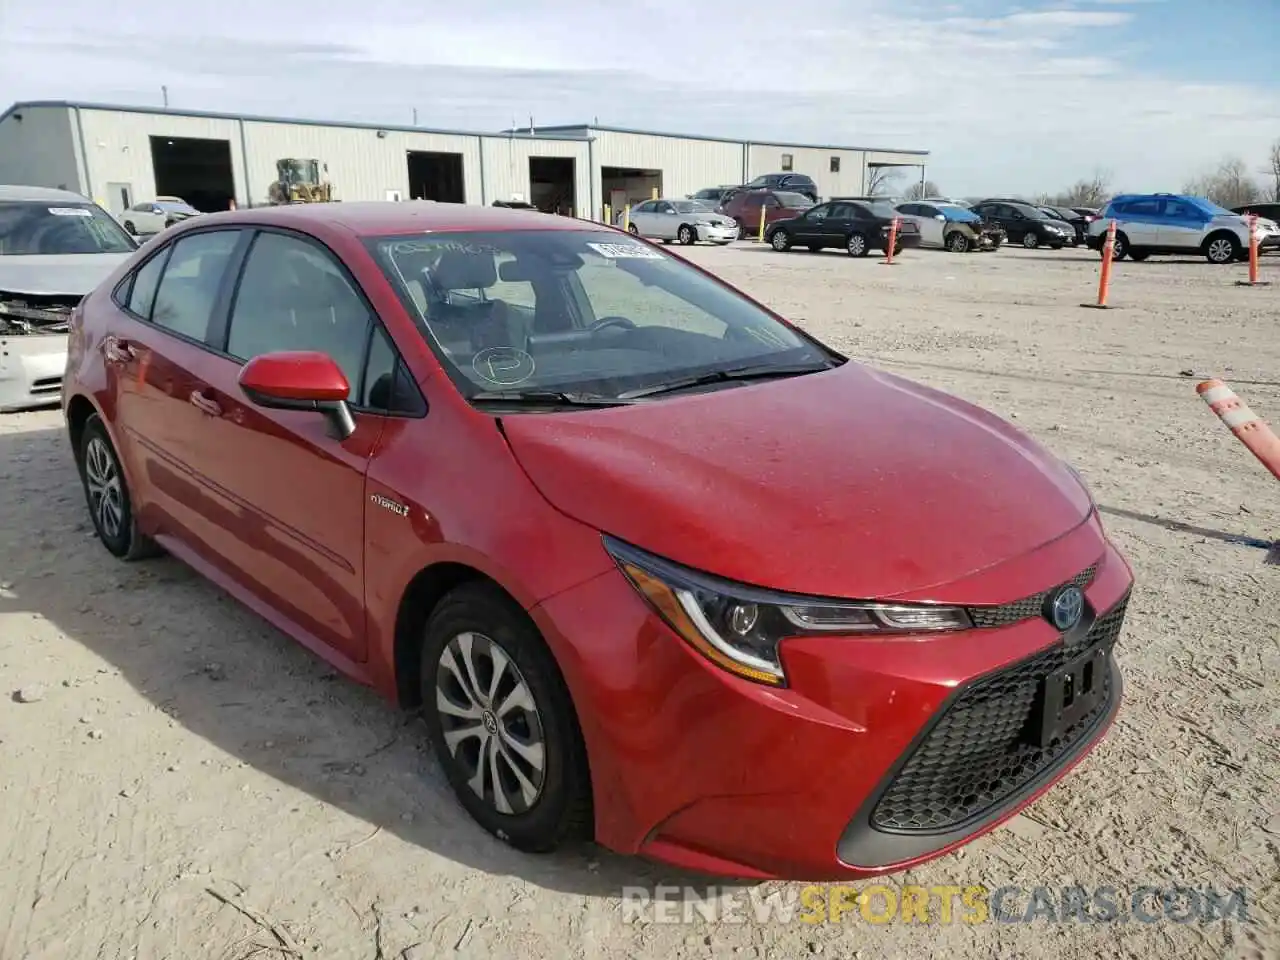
222	318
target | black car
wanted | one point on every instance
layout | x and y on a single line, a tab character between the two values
1079	222
788	182
1268	211
855	226
1026	224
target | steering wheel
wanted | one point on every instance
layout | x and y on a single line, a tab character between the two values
604	323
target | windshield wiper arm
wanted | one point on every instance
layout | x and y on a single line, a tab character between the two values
546	398
760	372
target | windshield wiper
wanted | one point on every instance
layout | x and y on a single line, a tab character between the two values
546	398
759	372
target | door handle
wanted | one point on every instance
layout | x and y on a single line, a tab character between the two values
205	404
117	350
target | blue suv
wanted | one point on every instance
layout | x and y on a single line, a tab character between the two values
1148	223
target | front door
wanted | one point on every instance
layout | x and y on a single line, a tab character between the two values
1140	221
1181	226
293	497
152	343
809	228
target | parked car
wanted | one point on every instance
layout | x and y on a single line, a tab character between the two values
851	225
1025	224
685	220
712	195
949	226
406	409
1079	225
786	182
55	246
1153	223
146	219
744	208
1266	212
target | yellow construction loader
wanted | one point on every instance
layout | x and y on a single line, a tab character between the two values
298	181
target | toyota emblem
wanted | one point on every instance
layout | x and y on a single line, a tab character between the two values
1065	608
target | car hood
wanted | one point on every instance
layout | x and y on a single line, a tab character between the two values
67	274
847	483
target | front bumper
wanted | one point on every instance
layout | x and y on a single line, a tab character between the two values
866	764
718	234
31	371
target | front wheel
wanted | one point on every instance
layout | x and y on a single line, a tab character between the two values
958	242
633	230
130	228
502	723
1030	241
686	236
780	241
856	245
1221	248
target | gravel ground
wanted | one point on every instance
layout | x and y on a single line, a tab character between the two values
178	780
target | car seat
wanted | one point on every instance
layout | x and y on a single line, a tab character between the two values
482	323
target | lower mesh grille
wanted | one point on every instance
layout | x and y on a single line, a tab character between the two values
977	756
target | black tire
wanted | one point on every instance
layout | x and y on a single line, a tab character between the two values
1221	248
633	230
856	245
130	228
957	242
780	240
561	810
1120	250
686	235
106	494
1030	240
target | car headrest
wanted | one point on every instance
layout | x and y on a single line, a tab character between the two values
457	270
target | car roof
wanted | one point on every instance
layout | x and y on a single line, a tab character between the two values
373	218
38	194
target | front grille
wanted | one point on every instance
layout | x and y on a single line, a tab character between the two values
1027	607
976	757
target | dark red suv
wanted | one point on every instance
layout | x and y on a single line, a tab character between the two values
745	207
658	567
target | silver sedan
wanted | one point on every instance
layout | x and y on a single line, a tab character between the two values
686	221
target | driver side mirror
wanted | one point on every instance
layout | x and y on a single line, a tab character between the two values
940	217
300	380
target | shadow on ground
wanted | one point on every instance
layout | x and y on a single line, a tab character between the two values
229	678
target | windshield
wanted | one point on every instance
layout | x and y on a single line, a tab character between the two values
578	311
175	206
1216	210
28	228
793	200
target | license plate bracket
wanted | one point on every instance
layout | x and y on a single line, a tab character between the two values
1068	694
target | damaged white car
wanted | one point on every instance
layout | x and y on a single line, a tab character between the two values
55	246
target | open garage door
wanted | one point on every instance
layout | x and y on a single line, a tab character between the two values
436	176
194	169
551	185
622	185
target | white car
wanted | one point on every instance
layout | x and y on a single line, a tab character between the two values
55	247
687	221
1171	223
150	218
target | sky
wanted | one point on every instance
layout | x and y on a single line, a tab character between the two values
1008	98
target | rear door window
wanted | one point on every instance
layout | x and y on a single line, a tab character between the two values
185	299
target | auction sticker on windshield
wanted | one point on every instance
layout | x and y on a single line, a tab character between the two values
625	251
70	212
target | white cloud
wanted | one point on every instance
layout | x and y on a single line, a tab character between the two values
1007	100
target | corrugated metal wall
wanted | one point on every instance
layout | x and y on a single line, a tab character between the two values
118	147
506	167
38	148
686	165
848	181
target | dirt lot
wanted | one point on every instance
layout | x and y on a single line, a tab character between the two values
177	750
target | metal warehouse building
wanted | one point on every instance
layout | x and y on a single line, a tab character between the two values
123	155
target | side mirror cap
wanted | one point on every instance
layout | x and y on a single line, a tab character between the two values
300	380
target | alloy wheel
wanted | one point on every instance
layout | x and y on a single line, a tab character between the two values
491	724
857	245
1030	241
102	480
780	240
1222	250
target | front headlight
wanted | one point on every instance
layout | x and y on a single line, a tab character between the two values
740	628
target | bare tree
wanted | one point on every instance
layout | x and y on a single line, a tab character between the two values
1275	171
879	179
1228	186
1093	192
918	190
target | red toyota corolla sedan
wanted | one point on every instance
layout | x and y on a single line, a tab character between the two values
660	568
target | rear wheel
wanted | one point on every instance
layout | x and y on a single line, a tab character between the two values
107	495
130	228
1119	249
502	723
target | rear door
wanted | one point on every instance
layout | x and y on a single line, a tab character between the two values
839	224
289	509
153	343
1140	220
